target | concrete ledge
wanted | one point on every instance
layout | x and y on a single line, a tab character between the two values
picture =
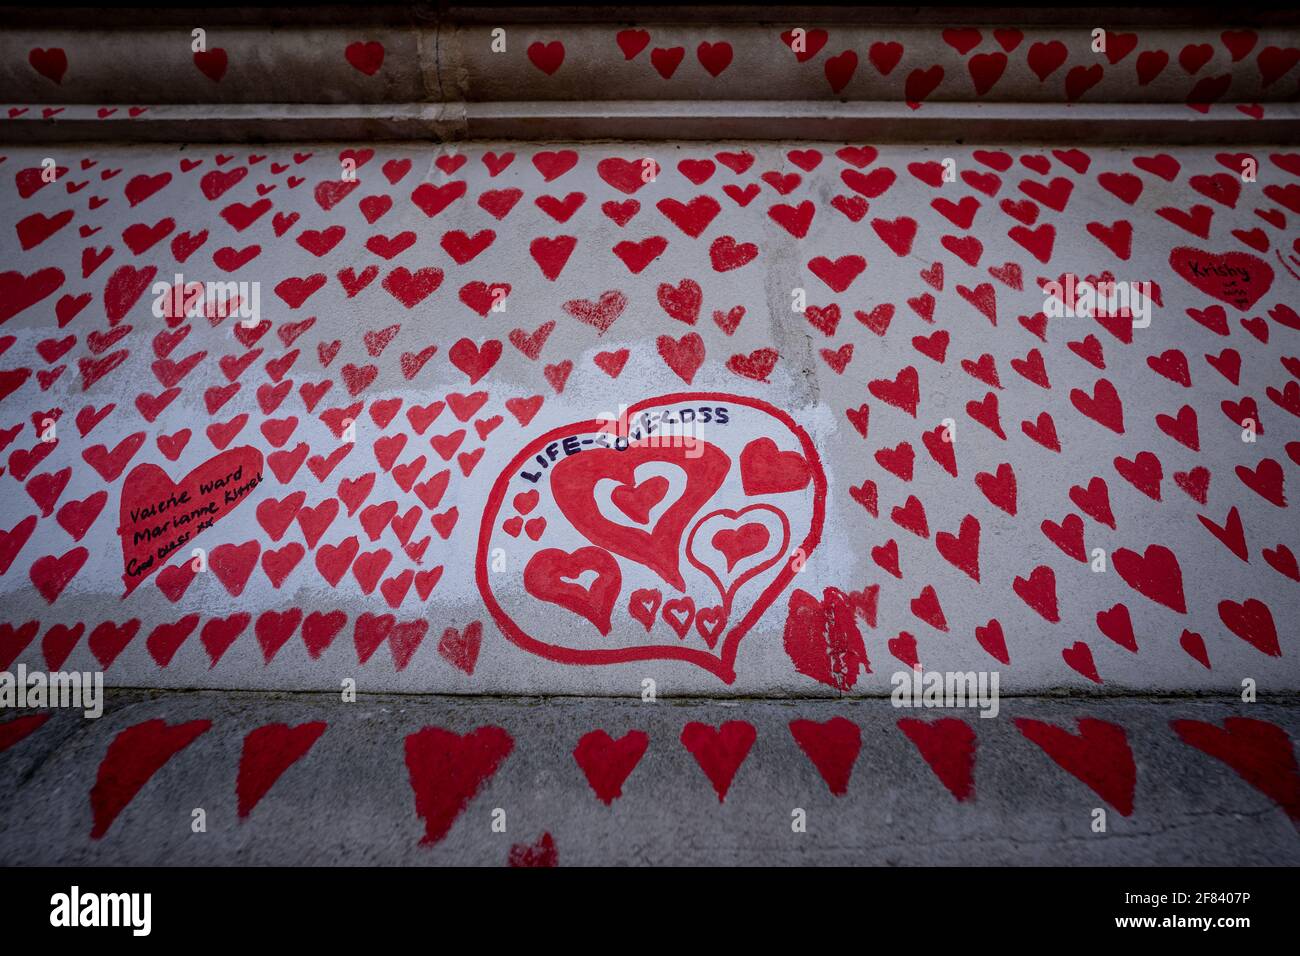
878	122
660	73
430	12
500	60
882	122
239	122
1180	806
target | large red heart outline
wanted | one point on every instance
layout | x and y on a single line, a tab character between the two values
721	661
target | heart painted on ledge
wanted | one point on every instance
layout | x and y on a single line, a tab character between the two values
160	517
651	518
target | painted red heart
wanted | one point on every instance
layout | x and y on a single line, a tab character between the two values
547	577
268	751
1260	752
948	746
719	751
133	757
366	57
447	770
607	763
1252	621
657	548
832	746
1099	755
1155	573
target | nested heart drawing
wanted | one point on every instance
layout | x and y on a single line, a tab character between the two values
661	534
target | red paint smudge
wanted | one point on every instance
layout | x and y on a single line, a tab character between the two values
822	638
541	853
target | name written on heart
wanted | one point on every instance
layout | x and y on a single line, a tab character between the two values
181	516
159	516
1208	267
1237	278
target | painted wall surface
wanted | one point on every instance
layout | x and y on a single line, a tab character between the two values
508	61
717	379
475	75
905	456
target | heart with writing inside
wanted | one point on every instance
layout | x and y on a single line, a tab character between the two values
160	517
1237	278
